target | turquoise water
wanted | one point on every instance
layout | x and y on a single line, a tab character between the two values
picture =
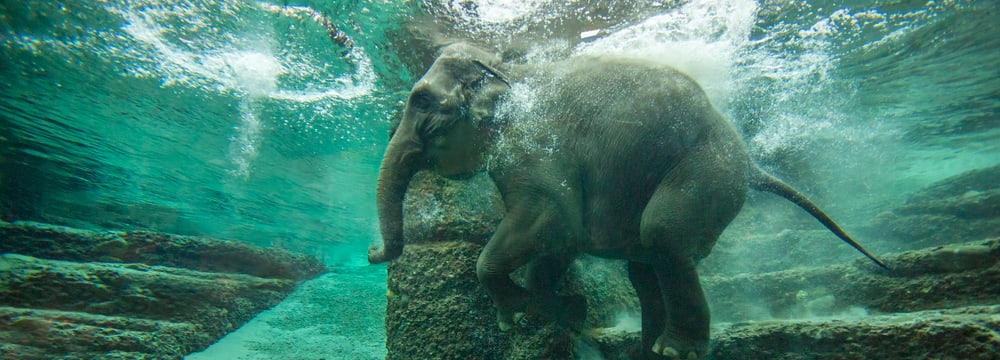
243	120
206	117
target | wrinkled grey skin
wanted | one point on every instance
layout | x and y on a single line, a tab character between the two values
645	170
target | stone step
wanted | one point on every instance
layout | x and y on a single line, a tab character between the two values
153	248
964	206
77	294
137	290
960	333
935	278
30	334
50	304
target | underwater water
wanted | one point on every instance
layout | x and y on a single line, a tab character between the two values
244	120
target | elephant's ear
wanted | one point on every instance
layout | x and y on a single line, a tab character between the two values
483	96
493	72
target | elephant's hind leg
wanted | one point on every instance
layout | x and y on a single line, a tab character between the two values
647	286
685	328
680	224
675	321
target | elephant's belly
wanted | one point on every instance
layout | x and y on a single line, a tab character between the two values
613	208
612	237
631	251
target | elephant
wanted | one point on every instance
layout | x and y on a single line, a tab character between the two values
638	165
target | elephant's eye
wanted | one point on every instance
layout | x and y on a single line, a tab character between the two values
439	142
422	100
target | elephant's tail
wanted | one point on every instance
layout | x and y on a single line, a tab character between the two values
761	180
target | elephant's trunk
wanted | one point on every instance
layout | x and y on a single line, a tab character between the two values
398	167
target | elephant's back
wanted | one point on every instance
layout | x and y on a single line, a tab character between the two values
633	117
628	125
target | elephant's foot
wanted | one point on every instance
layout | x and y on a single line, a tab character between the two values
508	323
673	347
569	311
510	311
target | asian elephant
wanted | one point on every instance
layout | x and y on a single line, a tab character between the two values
637	165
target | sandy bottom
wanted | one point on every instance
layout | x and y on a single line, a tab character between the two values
339	315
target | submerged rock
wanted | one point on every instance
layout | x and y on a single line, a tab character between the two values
217	301
918	280
153	248
441	209
762	253
30	334
78	294
962	333
435	308
965	206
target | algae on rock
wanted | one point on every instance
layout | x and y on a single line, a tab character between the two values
436	307
80	294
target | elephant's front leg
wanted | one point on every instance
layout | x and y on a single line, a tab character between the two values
506	251
531	229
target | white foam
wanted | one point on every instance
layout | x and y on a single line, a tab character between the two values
252	71
230	61
701	38
495	11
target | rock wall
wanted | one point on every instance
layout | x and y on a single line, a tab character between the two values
79	294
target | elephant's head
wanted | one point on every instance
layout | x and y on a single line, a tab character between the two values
444	128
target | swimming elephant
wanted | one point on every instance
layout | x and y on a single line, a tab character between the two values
636	165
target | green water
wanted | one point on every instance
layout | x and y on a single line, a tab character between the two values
233	120
215	118
243	120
